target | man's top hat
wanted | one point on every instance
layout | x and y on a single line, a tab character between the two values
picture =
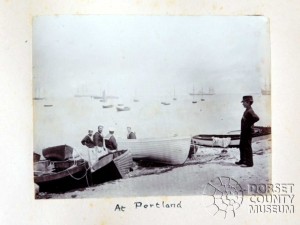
247	98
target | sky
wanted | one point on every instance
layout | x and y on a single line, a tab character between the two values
150	55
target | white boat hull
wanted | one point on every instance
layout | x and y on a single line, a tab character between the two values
171	151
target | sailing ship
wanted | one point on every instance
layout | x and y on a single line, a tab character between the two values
81	92
193	94
174	96
211	91
101	97
135	99
202	99
166	102
266	90
39	93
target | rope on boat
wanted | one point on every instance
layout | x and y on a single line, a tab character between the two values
80	155
76	177
86	169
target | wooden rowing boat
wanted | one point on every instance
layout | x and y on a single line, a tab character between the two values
214	140
58	153
61	176
113	166
172	151
123	161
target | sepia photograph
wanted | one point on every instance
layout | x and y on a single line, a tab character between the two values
138	106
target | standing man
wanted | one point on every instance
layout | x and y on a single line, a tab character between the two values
88	141
110	140
130	134
247	122
98	137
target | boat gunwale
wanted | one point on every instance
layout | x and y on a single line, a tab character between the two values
260	131
126	157
97	163
209	137
143	140
61	174
160	158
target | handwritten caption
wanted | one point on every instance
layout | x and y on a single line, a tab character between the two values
143	206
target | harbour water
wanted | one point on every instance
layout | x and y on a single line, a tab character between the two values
69	119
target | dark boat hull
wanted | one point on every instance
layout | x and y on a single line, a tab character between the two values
260	133
112	166
121	109
107	106
65	179
123	161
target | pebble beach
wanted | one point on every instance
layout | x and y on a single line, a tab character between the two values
184	180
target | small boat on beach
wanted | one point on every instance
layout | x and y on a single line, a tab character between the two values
165	103
58	153
172	151
113	166
122	108
61	176
231	139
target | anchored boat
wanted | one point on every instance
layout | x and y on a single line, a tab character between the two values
107	106
122	108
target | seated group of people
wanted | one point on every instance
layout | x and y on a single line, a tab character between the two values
109	141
